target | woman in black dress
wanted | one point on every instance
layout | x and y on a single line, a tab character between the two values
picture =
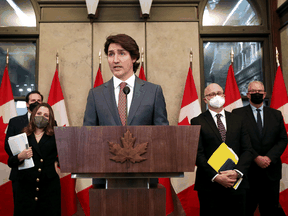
38	191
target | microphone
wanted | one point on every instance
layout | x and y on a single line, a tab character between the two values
126	91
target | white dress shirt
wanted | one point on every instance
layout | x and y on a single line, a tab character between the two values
130	83
222	118
255	113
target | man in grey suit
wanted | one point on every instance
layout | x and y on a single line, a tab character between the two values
145	102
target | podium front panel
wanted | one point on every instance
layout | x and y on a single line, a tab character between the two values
170	149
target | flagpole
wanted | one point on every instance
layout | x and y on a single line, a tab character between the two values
191	57
142	60
100	59
277	58
7	58
232	56
57	62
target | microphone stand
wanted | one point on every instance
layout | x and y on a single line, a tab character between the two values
126	91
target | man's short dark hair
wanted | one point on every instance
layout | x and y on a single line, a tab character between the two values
127	43
33	92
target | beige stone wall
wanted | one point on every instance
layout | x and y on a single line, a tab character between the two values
284	54
168	47
280	2
73	43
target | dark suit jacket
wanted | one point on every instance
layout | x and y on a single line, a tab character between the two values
147	107
237	138
15	127
272	143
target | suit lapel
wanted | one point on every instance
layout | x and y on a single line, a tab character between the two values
265	116
229	123
251	117
26	120
208	117
138	94
109	96
34	144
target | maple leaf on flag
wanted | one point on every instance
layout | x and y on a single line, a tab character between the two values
127	152
3	155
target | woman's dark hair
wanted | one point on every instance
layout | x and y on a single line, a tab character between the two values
31	127
127	43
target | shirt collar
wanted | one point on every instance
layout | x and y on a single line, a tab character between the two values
254	108
215	113
130	81
28	115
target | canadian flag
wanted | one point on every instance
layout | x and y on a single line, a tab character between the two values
142	73
232	95
279	101
164	181
83	185
98	79
184	187
7	111
56	101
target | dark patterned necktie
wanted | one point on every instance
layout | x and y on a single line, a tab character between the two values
122	104
259	121
221	127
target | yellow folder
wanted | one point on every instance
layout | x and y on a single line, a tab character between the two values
221	155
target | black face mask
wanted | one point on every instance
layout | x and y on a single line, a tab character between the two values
33	105
256	98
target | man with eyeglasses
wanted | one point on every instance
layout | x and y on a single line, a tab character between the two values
269	139
216	194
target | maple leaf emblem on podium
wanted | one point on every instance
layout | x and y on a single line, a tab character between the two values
128	152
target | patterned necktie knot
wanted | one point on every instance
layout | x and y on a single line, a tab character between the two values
122	104
221	127
122	85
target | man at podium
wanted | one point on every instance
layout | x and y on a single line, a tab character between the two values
216	193
125	99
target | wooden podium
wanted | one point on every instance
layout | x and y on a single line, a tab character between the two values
127	157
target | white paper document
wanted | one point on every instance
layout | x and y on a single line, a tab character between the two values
17	144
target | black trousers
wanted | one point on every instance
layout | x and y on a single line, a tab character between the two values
265	193
224	203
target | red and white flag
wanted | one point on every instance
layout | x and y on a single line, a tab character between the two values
83	185
142	73
232	95
164	181
184	187
279	101
7	111
98	79
56	101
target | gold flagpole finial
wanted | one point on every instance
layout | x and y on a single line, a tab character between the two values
100	56
232	55
142	55
191	55
277	57
7	57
